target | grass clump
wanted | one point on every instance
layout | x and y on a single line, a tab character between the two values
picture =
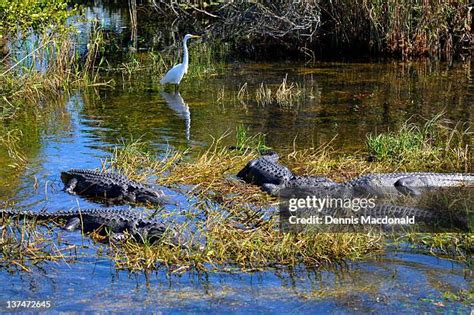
436	144
235	224
24	245
243	141
286	95
229	247
135	159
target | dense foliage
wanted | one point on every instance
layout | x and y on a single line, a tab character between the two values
260	29
36	15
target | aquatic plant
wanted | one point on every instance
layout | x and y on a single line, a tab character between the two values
437	144
9	141
52	68
286	95
263	95
452	245
245	142
25	245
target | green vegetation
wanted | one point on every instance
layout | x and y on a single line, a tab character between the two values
244	142
435	145
458	246
33	15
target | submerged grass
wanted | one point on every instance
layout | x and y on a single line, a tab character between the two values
459	246
23	246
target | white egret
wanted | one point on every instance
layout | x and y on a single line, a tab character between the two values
176	74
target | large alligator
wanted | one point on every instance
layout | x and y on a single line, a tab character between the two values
107	221
272	177
111	187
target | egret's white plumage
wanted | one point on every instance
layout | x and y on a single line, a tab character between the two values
176	74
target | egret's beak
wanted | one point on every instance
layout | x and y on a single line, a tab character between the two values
196	36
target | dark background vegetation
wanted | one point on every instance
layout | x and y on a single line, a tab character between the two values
404	29
305	29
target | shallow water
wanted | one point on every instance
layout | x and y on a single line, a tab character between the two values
399	282
344	99
81	128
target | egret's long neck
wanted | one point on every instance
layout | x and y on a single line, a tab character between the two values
185	55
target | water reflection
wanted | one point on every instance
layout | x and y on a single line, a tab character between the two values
181	109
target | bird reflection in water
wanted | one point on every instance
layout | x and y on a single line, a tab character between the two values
177	104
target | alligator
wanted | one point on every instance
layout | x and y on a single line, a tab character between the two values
111	188
108	221
265	171
272	177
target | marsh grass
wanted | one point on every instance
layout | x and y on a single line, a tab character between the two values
286	95
10	142
48	71
24	245
228	247
243	141
238	222
204	63
437	144
239	232
458	246
135	159
263	95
